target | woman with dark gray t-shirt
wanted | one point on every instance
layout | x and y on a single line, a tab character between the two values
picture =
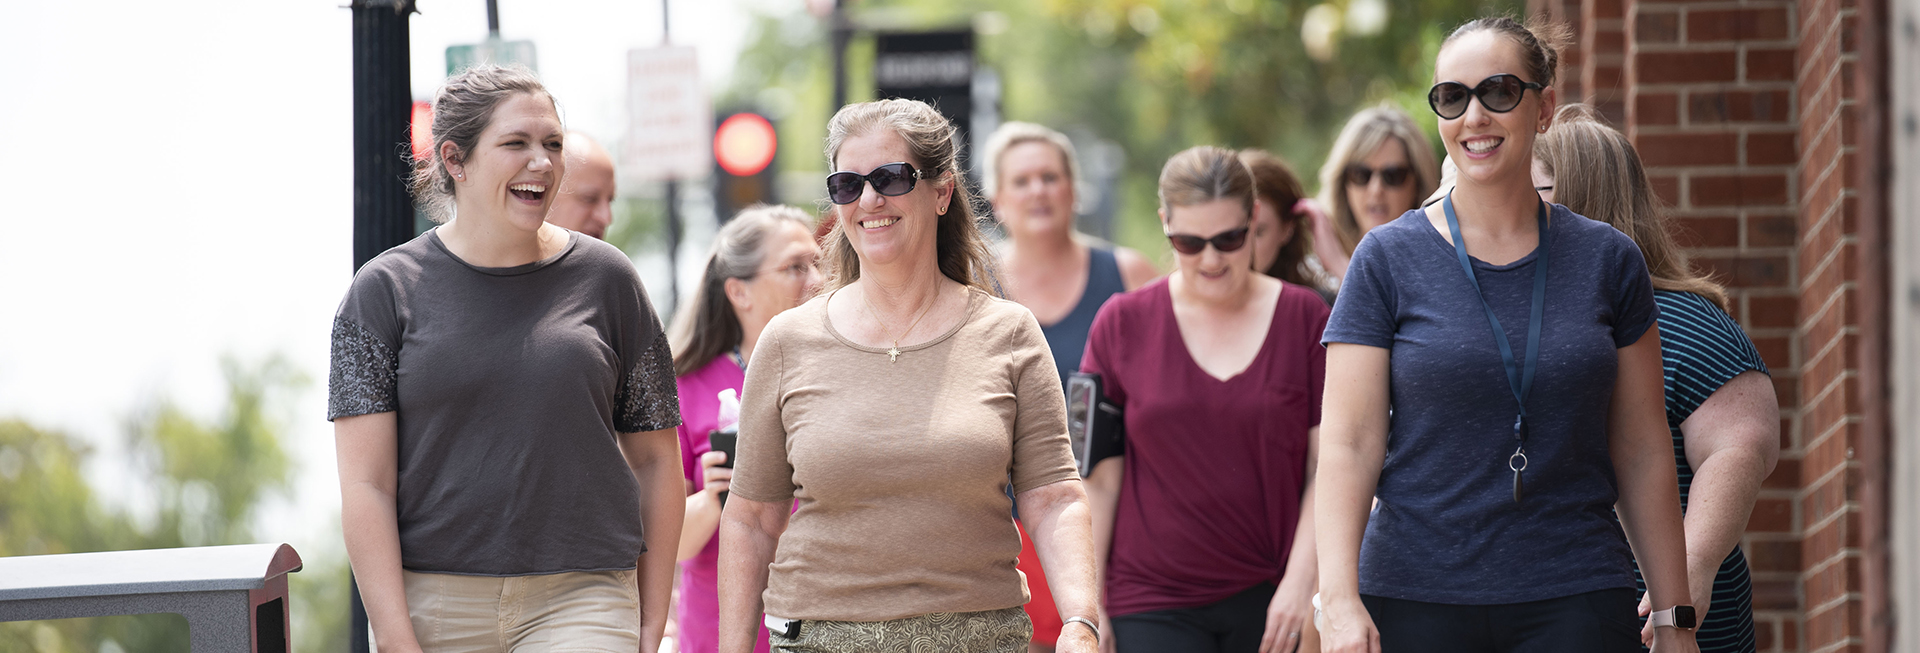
504	408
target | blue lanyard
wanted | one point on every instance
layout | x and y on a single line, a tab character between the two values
1519	375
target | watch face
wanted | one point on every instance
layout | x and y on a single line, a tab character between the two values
1683	617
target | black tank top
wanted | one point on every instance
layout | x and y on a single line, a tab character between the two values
1068	337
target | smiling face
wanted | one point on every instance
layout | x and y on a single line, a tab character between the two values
515	166
1035	193
1376	203
1211	273
887	230
1491	147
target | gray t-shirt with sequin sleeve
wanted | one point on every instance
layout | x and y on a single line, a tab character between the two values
512	385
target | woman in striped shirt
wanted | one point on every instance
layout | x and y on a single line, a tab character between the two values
1720	402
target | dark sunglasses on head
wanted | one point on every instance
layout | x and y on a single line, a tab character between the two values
1392	176
1225	241
891	180
1499	94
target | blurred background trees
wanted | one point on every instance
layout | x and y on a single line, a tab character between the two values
205	479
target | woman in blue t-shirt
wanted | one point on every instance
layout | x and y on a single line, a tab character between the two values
1498	405
1721	409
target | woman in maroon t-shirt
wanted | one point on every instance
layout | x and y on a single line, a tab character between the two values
1219	371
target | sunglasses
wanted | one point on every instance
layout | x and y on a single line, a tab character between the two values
1225	241
1392	176
891	180
1499	94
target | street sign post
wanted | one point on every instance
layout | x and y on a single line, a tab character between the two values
493	51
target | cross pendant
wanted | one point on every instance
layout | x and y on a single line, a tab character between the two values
893	355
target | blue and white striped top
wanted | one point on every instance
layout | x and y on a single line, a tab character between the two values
1702	348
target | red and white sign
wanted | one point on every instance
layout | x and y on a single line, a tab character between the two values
670	123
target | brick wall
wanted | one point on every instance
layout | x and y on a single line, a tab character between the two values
1747	114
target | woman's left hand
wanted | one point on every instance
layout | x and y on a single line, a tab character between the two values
1077	638
1288	617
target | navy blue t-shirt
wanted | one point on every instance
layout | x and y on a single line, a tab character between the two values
1446	529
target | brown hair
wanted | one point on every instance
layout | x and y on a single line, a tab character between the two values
1541	40
961	250
1202	174
461	110
1597	174
1364	134
1273	181
706	326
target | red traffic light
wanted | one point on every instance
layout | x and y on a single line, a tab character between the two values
744	144
420	128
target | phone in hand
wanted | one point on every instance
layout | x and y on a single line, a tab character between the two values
725	440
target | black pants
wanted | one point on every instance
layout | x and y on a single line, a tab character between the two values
1595	622
1233	625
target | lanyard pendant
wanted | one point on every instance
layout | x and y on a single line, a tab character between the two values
1518	463
1520	428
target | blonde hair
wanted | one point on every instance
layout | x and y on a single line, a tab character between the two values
1364	134
462	109
960	249
706	327
1597	174
1015	133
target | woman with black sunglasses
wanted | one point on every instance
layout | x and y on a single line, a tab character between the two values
1494	380
897	408
1380	166
1207	543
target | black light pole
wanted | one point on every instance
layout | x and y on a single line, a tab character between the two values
842	35
382	207
673	192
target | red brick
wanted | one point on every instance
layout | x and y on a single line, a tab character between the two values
1776	352
1738	190
1689	149
1686	67
1747	24
1775	595
1604	9
1771	516
1786	475
1771	230
1772	149
1606	78
1748	271
1666	188
1773	312
1738	106
1848	34
1774	65
1786	388
1707	231
1656	109
1654	26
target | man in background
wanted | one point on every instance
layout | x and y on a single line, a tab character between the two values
585	203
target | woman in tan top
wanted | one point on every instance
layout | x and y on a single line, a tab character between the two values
896	408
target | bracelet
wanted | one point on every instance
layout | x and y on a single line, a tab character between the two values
1083	621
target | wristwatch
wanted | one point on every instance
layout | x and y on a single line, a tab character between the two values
1679	616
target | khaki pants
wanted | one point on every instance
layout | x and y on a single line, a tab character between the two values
991	631
574	611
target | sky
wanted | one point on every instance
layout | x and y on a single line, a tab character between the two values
183	191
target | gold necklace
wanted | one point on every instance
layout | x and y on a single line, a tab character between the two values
893	353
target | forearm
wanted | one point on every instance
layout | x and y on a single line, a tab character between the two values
1303	560
1342	499
372	534
749	535
1058	519
1641	449
662	511
703	520
1720	501
1103	502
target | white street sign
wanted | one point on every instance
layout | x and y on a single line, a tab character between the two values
670	123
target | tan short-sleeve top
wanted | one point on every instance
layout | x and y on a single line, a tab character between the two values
900	468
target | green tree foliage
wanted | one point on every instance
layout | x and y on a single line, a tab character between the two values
1153	76
206	481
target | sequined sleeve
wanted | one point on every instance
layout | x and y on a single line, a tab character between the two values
364	375
648	399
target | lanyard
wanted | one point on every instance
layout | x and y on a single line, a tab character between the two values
1519	375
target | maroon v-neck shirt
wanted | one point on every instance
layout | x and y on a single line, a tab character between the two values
1214	469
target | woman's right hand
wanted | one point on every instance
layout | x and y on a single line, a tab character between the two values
1346	627
715	479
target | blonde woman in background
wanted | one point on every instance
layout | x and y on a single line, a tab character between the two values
1721	409
1381	166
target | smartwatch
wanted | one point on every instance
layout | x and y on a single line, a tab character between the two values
1679	616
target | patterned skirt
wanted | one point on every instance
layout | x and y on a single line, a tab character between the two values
991	631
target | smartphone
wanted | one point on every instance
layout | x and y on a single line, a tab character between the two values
725	441
1095	426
